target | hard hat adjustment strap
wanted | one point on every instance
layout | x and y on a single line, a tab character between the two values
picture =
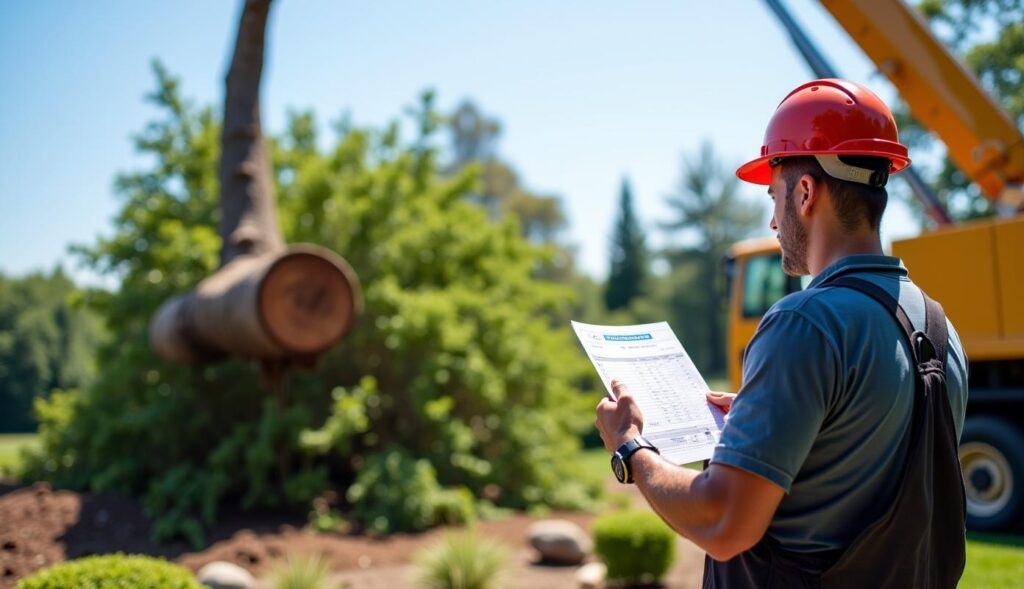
840	170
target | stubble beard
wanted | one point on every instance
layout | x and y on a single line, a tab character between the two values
793	241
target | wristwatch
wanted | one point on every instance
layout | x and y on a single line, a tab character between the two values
621	458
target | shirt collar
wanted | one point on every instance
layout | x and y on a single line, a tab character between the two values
860	263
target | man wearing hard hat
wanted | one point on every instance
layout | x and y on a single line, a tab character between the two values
837	466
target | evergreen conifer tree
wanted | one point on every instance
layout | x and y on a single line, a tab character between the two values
629	256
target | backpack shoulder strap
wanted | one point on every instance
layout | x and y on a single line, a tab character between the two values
935	328
879	294
935	318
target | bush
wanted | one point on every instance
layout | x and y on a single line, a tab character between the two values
636	546
462	562
396	493
112	571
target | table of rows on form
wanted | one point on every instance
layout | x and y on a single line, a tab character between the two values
655	381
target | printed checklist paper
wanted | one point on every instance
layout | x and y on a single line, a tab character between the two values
650	361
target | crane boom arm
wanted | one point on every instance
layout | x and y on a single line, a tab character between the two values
945	96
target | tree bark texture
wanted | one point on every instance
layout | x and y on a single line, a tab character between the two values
266	301
248	222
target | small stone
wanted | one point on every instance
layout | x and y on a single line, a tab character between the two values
591	575
225	575
560	541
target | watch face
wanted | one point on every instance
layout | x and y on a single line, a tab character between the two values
618	467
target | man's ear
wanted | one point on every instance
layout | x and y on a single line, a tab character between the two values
807	194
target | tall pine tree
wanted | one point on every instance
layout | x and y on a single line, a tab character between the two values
710	214
628	271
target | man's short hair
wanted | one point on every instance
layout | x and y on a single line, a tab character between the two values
854	203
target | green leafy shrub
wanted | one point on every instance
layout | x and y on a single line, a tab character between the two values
454	364
636	546
395	492
112	571
300	572
325	518
462	561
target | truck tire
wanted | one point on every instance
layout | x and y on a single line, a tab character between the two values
992	461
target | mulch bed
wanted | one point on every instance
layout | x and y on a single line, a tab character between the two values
40	526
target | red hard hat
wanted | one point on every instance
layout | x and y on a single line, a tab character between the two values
828	117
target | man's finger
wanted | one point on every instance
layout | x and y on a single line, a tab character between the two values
723	400
619	388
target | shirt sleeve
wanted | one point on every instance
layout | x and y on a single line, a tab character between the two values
789	376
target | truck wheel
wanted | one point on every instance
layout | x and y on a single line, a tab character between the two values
992	461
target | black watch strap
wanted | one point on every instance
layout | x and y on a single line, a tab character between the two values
626	452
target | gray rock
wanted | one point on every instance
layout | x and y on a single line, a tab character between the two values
591	575
225	575
560	541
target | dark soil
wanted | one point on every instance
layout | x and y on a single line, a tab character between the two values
40	527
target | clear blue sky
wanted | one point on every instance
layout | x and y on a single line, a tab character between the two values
587	91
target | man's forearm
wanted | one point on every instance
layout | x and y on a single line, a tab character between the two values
680	496
724	510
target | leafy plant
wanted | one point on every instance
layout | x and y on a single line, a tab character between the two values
395	492
636	546
300	572
462	561
112	571
324	517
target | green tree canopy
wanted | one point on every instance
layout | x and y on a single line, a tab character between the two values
710	214
474	141
46	342
452	391
627	274
988	35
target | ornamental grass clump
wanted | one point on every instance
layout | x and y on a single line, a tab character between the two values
636	546
301	572
462	561
112	571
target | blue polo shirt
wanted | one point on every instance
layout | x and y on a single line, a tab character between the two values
824	410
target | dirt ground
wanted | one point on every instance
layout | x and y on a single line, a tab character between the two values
40	527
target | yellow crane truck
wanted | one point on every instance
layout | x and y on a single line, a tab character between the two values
975	269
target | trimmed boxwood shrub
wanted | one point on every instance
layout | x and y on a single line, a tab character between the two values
636	546
112	571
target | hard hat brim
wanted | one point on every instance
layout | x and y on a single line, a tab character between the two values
756	171
759	171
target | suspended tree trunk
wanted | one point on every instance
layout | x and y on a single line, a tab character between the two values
248	224
267	301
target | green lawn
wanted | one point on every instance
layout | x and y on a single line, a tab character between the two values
994	562
10	450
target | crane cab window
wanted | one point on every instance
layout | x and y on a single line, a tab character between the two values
764	283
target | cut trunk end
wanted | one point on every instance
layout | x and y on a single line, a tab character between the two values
294	303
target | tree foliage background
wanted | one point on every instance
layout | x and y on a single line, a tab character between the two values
988	37
452	394
474	138
628	256
47	341
709	211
